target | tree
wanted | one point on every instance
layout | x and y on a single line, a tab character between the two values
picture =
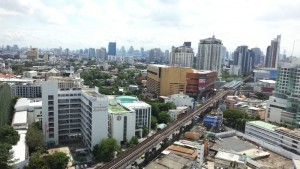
58	160
9	135
105	150
34	138
133	141
6	156
145	131
164	117
153	122
236	119
37	161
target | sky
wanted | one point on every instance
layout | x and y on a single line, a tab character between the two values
77	24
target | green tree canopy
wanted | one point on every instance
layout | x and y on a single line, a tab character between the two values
153	122
236	119
164	117
34	138
133	141
9	135
105	150
6	156
57	160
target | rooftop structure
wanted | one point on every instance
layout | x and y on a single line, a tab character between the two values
224	159
127	99
20	120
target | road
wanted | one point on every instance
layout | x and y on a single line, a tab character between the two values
129	156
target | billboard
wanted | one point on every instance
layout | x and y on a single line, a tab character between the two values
201	84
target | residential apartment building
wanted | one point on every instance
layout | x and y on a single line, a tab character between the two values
182	56
26	90
272	134
33	54
284	105
273	52
71	111
210	53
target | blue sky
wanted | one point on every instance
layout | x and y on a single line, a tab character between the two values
149	23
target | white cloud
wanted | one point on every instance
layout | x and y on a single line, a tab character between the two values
149	23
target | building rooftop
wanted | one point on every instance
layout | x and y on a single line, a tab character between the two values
117	108
268	81
20	117
263	124
288	131
157	65
136	104
296	163
22	102
20	150
229	156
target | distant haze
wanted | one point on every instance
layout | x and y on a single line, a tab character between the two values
79	24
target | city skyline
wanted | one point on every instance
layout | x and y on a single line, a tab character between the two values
149	24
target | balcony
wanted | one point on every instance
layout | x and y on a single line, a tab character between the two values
61	127
75	126
76	106
75	116
75	121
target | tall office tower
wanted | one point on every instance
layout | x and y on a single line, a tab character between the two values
112	48
182	56
142	52
130	50
242	58
155	55
33	54
92	53
103	54
284	105
71	111
209	54
167	55
98	54
257	56
273	53
122	51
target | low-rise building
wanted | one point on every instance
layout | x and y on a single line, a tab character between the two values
226	159
179	100
272	134
20	151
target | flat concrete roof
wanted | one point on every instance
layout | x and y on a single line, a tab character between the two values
229	156
268	81
263	124
136	104
232	143
20	117
22	102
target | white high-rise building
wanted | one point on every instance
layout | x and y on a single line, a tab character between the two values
210	53
182	56
71	112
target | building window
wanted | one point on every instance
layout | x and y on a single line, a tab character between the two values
50	97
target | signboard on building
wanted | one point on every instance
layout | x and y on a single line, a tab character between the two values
201	84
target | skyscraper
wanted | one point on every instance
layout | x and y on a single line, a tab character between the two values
92	53
155	55
257	56
182	56
273	53
209	54
112	48
243	58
